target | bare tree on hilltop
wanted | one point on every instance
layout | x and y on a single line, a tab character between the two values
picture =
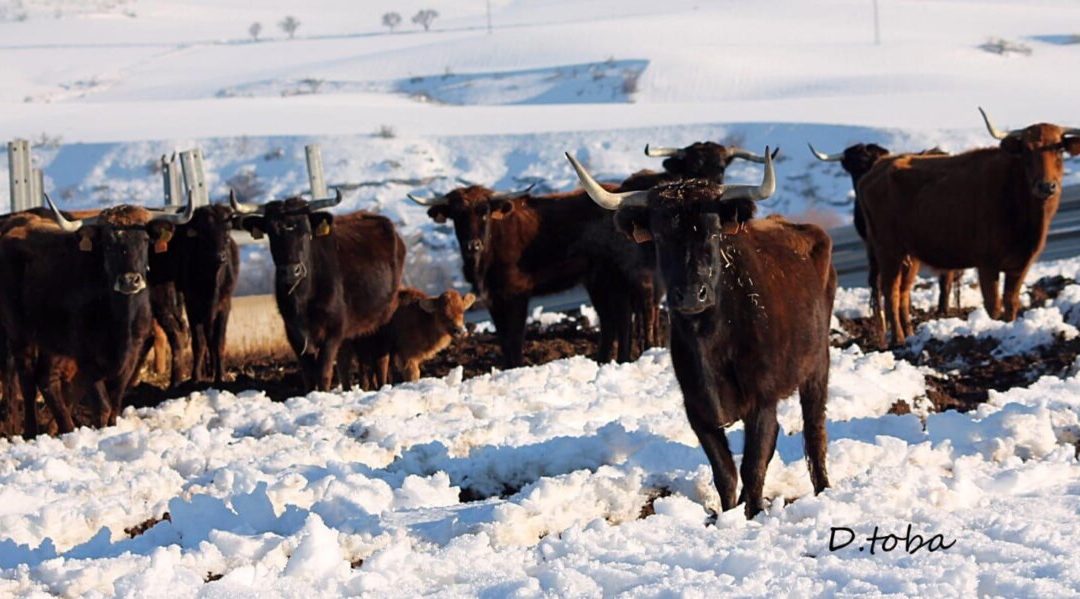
254	30
289	25
425	18
391	20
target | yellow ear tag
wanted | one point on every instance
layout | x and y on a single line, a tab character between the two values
256	233
162	244
85	245
323	229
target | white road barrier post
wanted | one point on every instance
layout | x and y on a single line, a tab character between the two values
315	171
21	177
170	177
194	179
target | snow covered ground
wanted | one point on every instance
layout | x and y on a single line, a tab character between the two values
570	478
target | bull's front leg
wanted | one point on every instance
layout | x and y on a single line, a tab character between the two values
703	409
509	315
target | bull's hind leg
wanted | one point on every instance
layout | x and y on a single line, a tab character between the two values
1013	281
813	395
52	389
945	285
890	286
907	281
988	284
761	431
217	346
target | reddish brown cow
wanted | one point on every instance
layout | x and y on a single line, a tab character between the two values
516	246
751	302
989	209
857	160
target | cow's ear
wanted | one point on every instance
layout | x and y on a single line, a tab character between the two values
321	223
634	223
1012	145
468	301
429	304
86	238
255	225
500	209
439	214
161	233
1071	145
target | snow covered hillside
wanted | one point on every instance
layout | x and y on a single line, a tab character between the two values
571	478
105	87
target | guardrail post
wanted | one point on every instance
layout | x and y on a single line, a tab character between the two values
21	176
170	176
194	179
315	171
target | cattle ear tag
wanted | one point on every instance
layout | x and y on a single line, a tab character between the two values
256	233
323	229
162	244
641	234
85	245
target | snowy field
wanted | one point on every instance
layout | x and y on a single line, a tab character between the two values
570	479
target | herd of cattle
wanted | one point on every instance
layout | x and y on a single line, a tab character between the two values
749	299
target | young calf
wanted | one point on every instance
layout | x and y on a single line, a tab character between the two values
423	326
750	307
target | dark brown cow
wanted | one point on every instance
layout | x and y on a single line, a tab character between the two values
750	302
88	329
515	246
857	160
336	277
701	160
989	209
423	326
210	267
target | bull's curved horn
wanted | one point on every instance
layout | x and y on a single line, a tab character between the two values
994	132
69	226
327	202
243	207
662	152
603	197
755	192
513	195
182	217
737	152
439	200
822	156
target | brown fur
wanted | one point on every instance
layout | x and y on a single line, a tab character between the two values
977	209
423	326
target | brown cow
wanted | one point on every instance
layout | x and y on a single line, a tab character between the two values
857	160
515	246
751	302
86	330
336	278
989	209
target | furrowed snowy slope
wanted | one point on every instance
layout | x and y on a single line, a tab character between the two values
569	478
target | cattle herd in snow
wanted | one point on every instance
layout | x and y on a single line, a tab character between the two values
749	299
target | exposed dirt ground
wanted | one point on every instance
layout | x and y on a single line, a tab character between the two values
964	368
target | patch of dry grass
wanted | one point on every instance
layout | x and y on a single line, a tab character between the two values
255	331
